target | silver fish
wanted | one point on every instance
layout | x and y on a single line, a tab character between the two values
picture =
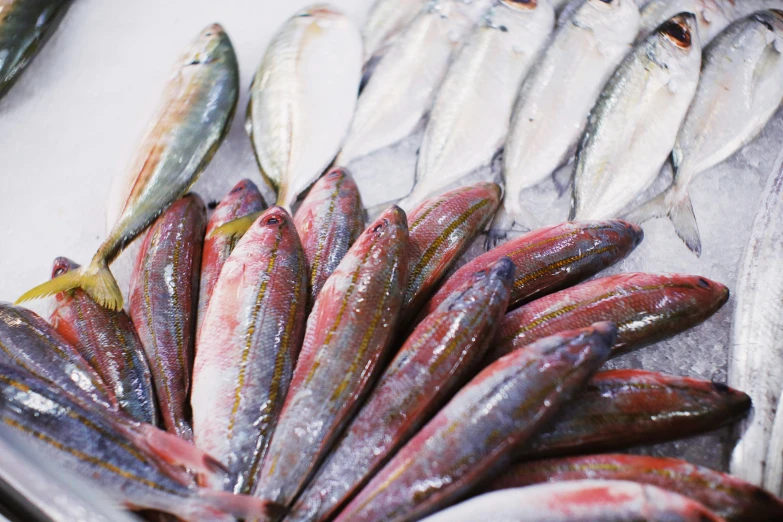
633	126
24	27
740	90
756	358
470	116
195	114
556	97
713	16
303	97
405	81
385	22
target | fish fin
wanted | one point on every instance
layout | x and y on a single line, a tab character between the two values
562	178
655	208
509	225
768	60
237	227
242	506
179	452
95	279
684	221
67	281
99	283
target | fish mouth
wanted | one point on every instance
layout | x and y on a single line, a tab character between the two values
678	30
520	4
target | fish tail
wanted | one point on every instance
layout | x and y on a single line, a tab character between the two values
176	451
684	221
241	506
657	207
510	223
95	279
67	281
237	227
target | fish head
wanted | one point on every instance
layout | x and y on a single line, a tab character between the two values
679	34
609	20
770	22
386	237
210	46
274	219
63	265
699	294
320	16
623	234
244	198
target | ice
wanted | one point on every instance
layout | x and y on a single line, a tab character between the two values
73	120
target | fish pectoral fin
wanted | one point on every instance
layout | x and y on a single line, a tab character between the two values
242	506
66	281
237	227
178	452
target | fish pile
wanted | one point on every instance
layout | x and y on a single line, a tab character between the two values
293	362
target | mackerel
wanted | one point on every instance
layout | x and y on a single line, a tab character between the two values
194	116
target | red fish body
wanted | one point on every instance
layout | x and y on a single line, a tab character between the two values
108	341
481	427
441	229
163	302
329	220
553	257
647	308
243	199
729	497
348	334
622	408
248	347
580	501
439	355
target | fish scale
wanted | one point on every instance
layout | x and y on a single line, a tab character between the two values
329	221
646	308
163	304
252	334
435	360
242	200
90	444
623	408
441	229
727	496
25	25
109	342
347	336
480	428
553	257
581	501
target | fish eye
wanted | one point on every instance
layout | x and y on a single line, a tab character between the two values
380	226
273	220
765	23
59	271
703	283
238	188
607	1
678	33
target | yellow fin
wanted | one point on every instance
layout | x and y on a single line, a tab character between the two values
99	283
237	227
95	279
67	281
